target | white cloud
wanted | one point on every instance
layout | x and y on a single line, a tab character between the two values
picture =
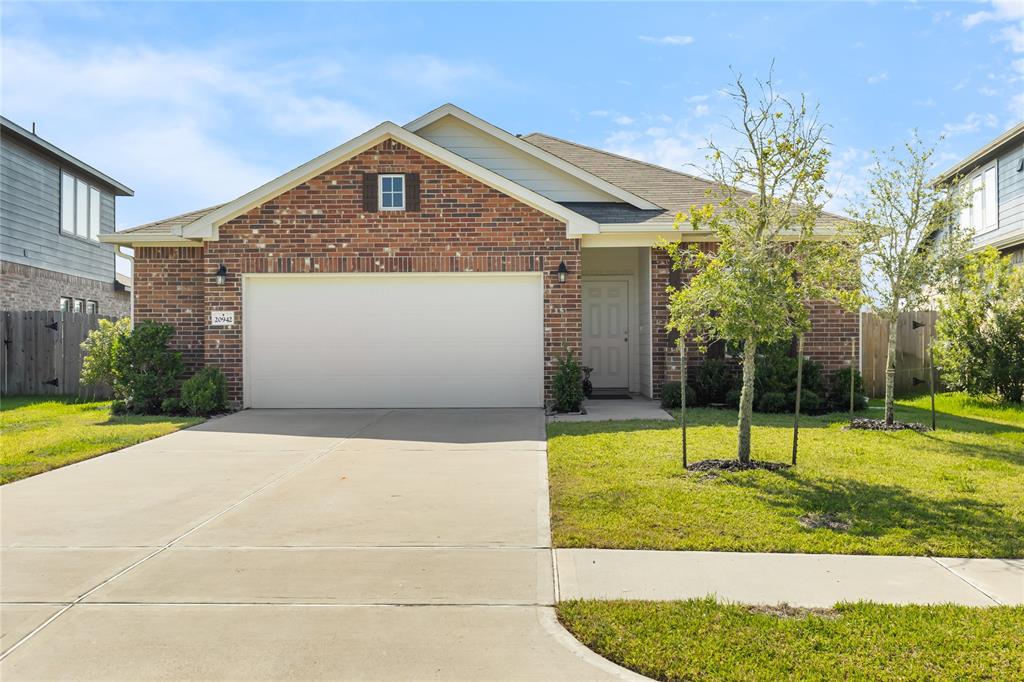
878	78
1002	12
971	123
624	120
693	99
667	40
987	91
599	112
701	110
187	128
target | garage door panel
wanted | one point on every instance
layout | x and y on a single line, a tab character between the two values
393	341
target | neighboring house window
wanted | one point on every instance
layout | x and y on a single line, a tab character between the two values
65	304
92	307
79	208
392	192
79	305
983	213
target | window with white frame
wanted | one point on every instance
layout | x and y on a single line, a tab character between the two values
79	208
392	192
92	307
982	214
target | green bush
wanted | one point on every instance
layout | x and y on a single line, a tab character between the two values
145	370
98	362
118	408
979	340
205	393
810	402
732	398
171	406
567	385
773	401
670	397
712	381
837	399
776	373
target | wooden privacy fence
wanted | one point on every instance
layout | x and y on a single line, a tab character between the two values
42	353
911	351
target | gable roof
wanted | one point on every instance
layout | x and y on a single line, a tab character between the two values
12	129
204	223
618	191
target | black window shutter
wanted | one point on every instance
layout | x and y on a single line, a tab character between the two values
412	191
370	197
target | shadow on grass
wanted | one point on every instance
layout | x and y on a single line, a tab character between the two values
697	417
952	422
876	510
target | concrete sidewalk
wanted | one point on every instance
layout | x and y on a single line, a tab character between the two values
810	580
616	410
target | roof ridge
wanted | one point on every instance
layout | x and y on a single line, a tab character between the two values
623	157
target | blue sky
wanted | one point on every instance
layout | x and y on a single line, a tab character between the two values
192	104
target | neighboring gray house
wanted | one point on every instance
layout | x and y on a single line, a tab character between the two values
995	176
53	208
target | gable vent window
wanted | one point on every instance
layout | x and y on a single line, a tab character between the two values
391	192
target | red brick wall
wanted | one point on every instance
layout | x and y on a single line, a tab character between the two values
320	226
169	289
828	342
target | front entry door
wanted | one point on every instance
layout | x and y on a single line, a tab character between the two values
606	332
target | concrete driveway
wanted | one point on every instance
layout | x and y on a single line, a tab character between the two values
293	544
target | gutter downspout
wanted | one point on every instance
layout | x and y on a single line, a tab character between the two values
131	298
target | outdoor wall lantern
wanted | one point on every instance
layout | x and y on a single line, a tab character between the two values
562	272
222	275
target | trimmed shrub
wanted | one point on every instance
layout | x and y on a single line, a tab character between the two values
98	362
205	393
118	408
145	370
712	381
773	401
838	397
671	399
171	406
567	385
810	403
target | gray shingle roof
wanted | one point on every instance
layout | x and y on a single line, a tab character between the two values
170	226
674	190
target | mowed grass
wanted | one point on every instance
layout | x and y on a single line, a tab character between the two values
42	433
704	640
958	491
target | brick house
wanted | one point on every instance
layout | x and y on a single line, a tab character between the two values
444	263
53	210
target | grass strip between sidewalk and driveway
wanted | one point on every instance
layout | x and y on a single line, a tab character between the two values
702	639
958	491
40	433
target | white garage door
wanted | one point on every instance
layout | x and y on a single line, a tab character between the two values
453	340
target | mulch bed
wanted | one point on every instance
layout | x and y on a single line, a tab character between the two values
866	424
735	465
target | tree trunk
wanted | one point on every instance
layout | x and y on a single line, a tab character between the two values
747	399
890	371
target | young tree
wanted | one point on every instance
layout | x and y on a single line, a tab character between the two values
769	258
910	239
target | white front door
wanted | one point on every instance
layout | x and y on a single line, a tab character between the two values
606	332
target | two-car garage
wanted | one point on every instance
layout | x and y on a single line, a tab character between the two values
393	340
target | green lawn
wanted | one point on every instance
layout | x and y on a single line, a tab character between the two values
958	491
703	640
42	432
